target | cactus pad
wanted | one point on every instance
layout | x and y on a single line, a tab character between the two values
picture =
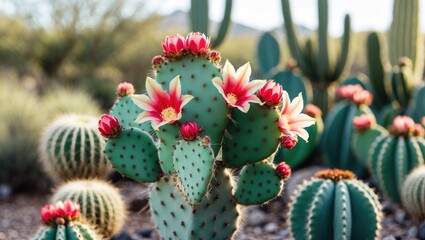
126	111
169	135
134	154
254	136
257	184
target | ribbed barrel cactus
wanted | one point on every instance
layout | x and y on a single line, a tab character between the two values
100	203
335	205
395	153
71	147
63	221
207	119
412	193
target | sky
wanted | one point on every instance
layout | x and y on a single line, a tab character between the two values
267	14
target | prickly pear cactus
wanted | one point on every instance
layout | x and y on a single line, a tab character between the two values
206	118
101	203
71	147
335	205
412	196
395	153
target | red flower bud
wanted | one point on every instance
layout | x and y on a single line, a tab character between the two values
48	214
196	41
348	91
271	93
157	62
283	171
173	44
288	141
363	97
214	56
125	89
109	126
363	122
312	110
190	131
403	125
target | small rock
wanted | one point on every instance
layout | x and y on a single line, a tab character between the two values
400	216
122	236
387	207
256	218
257	230
412	232
145	233
421	231
389	238
270	227
5	192
283	233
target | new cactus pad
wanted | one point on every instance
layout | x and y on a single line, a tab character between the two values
335	205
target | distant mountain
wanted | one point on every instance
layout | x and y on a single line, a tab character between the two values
179	22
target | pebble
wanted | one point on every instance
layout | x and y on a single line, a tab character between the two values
400	216
389	238
412	232
270	227
421	231
5	192
256	218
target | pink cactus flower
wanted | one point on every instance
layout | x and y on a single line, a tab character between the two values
109	126
271	93
283	170
363	97
288	141
236	88
157	61
196	41
67	210
312	110
363	122
161	107
403	125
418	130
348	91
291	120
48	214
190	131
125	89
173	44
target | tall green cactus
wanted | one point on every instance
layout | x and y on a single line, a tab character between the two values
405	38
71	147
199	19
334	205
207	110
319	68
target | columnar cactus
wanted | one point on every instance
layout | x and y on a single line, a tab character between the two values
335	205
63	221
395	153
337	147
71	147
100	203
197	110
412	196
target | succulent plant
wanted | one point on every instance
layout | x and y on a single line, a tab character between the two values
198	109
71	147
412	196
335	205
395	153
63	221
100	203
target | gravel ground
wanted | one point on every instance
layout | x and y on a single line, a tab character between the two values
20	219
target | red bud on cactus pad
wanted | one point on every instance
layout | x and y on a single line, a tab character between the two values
363	122
288	141
403	125
363	97
174	44
271	93
283	171
61	213
214	56
157	61
348	91
109	126
190	131
125	89
196	41
312	110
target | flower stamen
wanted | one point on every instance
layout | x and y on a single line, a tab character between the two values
231	97
169	114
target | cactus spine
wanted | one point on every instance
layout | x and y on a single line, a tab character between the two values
199	19
319	68
101	203
71	147
335	205
412	194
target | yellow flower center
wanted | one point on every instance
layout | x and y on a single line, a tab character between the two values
232	98
168	114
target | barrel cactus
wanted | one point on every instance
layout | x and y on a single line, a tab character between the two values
395	153
197	123
101	203
412	196
335	205
63	221
71	147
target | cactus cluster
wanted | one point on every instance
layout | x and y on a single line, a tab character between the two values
206	119
100	203
71	147
335	205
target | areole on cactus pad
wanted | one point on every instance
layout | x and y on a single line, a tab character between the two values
197	110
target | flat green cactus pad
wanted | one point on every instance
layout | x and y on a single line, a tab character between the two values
169	135
134	154
257	184
194	166
254	136
126	111
215	217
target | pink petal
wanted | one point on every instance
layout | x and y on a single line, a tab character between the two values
228	76
254	85
243	103
155	90
218	83
302	120
147	116
175	87
285	103
243	73
143	102
296	105
301	132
